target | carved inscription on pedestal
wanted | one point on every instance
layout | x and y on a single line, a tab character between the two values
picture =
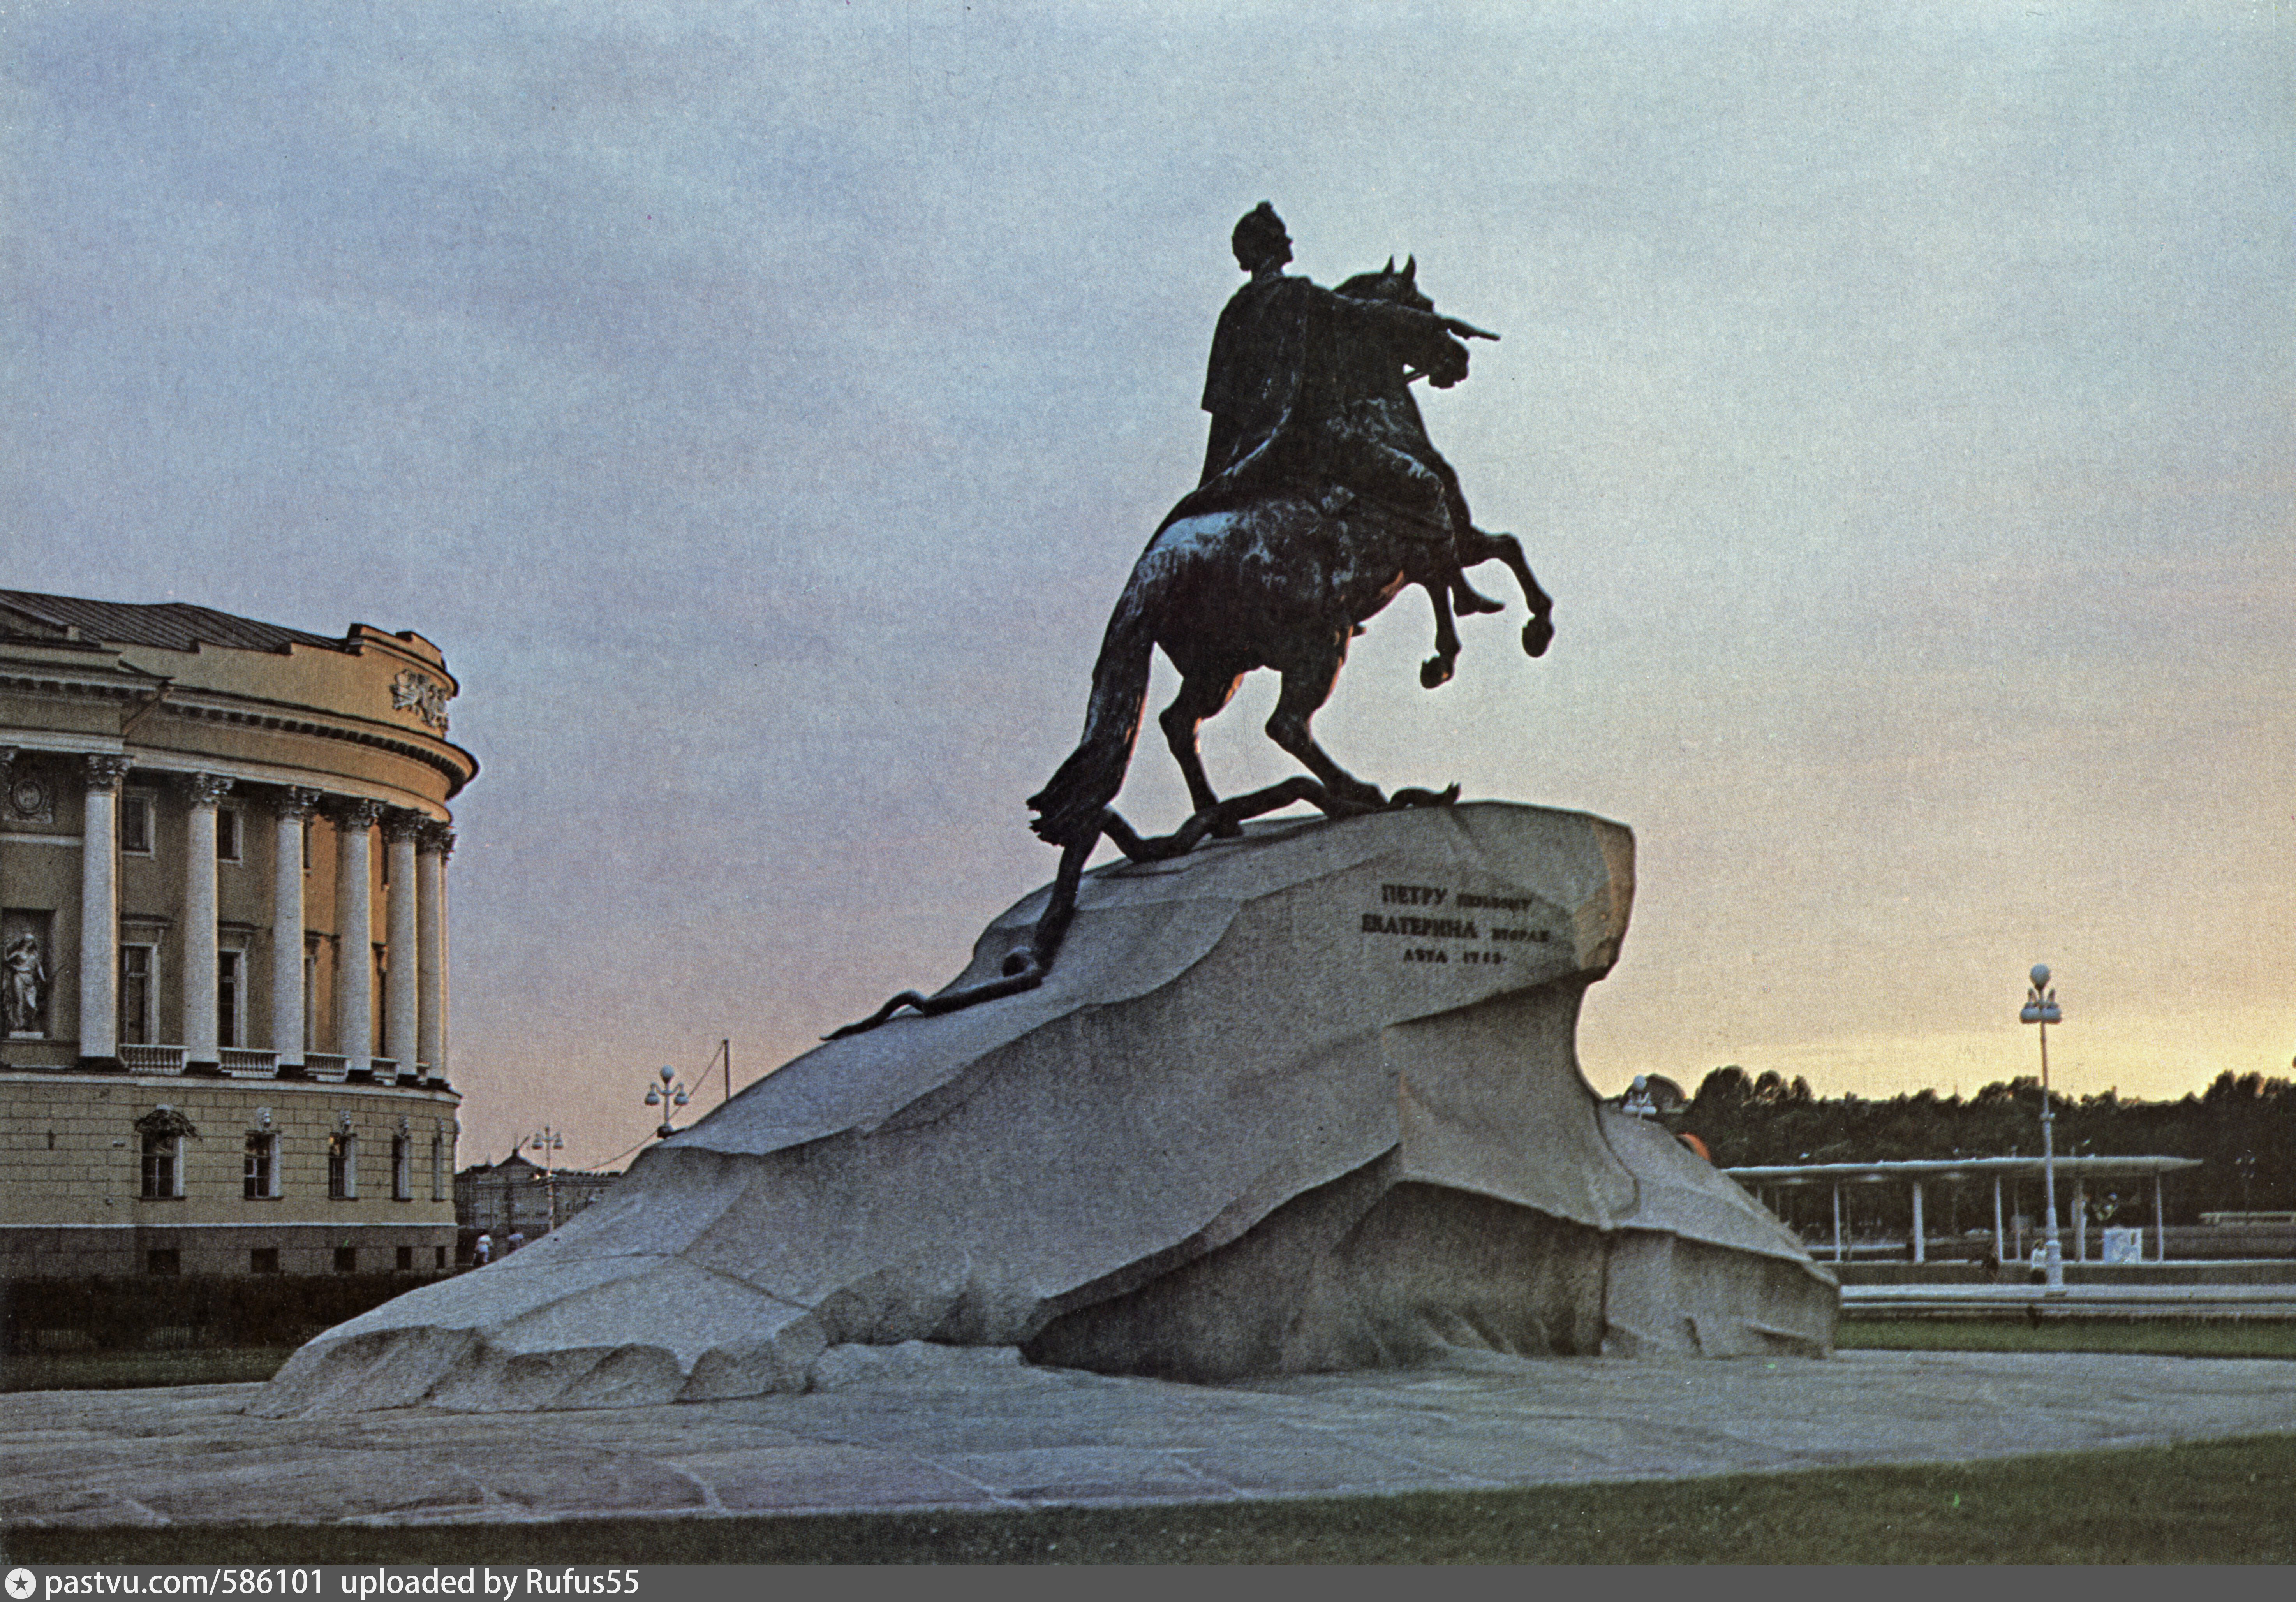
1431	924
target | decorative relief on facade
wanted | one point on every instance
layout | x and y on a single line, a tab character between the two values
423	696
31	798
167	1123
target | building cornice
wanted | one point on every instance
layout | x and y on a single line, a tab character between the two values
189	705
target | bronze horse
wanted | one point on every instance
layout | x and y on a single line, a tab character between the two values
1281	582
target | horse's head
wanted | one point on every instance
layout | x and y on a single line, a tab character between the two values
1439	356
1399	285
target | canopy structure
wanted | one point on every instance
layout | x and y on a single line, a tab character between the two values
2081	1170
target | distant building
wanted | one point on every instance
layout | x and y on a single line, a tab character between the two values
224	998
516	1197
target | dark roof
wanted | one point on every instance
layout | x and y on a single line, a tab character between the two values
171	625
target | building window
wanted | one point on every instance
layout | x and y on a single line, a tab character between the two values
406	1260
402	1169
439	1258
163	1166
342	1167
347	1260
226	834
437	1168
310	995
306	845
261	1172
138	981
228	968
263	1260
135	825
163	1260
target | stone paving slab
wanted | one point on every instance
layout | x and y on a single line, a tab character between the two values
922	1427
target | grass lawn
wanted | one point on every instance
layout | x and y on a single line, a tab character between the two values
2170	1338
133	1371
2219	1502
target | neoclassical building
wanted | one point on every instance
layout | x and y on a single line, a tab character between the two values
223	944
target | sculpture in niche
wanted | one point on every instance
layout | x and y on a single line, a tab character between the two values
24	989
1321	499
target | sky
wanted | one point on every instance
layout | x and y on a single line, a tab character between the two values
763	405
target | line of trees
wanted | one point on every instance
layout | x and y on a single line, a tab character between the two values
2242	1128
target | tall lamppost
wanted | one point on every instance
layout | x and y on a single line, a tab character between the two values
2041	1008
669	1098
548	1142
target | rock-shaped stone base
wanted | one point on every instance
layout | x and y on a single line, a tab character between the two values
1304	1101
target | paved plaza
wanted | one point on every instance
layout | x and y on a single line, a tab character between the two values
919	1427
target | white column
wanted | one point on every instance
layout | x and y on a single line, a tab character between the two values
399	1042
437	843
354	929
203	790
2080	1220
1837	1221
2000	1236
432	845
99	910
1920	1246
289	811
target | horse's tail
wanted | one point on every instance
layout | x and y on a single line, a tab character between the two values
1068	808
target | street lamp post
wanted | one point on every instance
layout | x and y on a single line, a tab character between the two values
548	1142
2041	1008
669	1097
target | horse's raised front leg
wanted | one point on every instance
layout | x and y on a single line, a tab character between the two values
1479	546
1468	601
1306	688
1201	695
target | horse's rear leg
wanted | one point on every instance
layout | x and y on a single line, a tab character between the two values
1438	668
1306	689
1201	695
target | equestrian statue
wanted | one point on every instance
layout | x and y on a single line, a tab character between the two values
1321	500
